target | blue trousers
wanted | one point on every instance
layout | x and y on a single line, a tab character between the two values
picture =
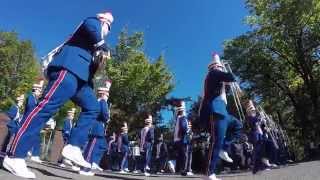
97	144
124	160
221	123
181	155
188	162
259	151
36	146
95	149
13	127
147	155
62	86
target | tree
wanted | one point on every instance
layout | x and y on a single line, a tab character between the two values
138	83
278	61
18	67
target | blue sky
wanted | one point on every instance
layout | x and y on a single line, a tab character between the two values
186	31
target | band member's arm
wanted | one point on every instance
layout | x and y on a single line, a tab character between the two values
125	139
184	125
104	110
94	29
225	76
165	149
12	112
151	131
30	103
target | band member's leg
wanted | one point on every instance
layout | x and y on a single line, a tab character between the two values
220	129
61	87
99	149
6	142
148	157
236	127
87	100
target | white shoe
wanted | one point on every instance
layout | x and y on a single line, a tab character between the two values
146	174
73	153
75	168
95	166
213	177
171	167
224	155
29	154
62	165
126	170
274	165
67	162
190	173
36	159
123	172
135	172
266	162
86	173
18	167
147	168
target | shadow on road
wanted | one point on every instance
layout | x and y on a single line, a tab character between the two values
47	173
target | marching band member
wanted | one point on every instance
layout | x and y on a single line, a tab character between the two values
189	151
14	113
70	76
259	154
146	142
97	142
123	148
181	138
66	131
31	103
161	154
112	152
214	104
68	125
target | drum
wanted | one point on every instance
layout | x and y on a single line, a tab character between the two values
136	151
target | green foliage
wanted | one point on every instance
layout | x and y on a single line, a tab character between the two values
18	67
138	83
278	61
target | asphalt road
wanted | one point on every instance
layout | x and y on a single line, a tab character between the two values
301	171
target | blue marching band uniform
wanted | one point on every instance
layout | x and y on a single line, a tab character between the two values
69	76
112	152
213	112
161	154
31	103
146	137
14	114
66	132
68	125
182	141
97	144
123	148
260	139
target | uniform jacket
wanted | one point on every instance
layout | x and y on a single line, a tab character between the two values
148	139
76	54
181	129
212	89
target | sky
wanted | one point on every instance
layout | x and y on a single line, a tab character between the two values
185	31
